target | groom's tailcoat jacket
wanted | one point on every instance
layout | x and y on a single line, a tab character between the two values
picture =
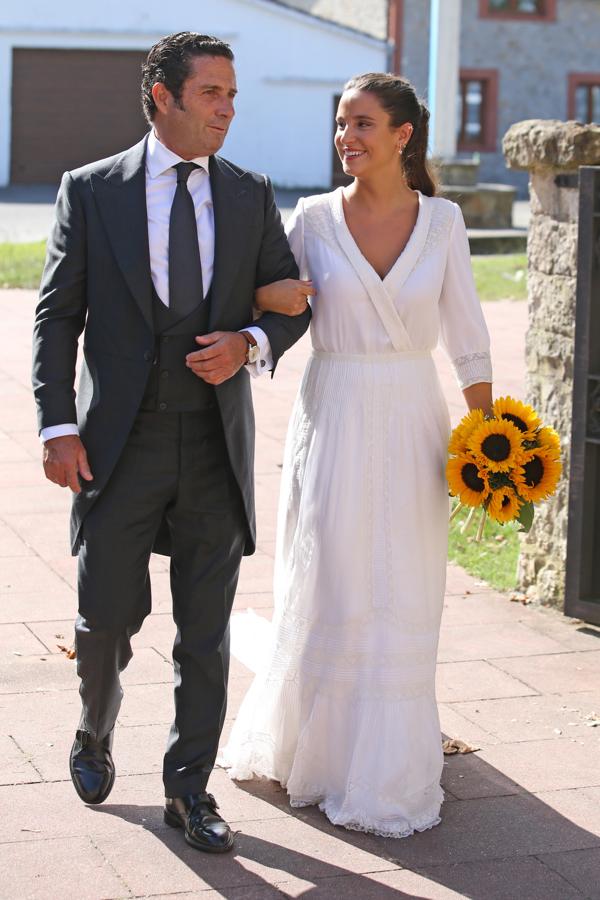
97	280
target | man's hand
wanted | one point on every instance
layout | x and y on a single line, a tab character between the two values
224	354
64	460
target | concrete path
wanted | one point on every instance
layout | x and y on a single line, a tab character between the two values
521	817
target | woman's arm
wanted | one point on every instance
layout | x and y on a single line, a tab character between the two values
288	297
479	396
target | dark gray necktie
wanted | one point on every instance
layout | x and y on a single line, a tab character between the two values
185	269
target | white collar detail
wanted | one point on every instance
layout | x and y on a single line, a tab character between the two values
159	159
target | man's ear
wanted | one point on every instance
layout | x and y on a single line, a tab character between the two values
160	95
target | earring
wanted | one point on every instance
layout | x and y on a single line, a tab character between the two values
401	148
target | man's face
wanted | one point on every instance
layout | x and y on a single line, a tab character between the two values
198	123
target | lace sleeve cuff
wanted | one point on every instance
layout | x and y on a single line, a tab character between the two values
473	368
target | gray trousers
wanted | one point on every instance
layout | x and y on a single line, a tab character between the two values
174	465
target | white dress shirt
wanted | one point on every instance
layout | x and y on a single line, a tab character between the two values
161	183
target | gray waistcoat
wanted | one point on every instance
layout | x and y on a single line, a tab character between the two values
172	387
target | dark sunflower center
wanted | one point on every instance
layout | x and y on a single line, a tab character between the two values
505	501
471	478
520	424
534	471
496	447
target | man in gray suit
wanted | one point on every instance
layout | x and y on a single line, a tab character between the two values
155	255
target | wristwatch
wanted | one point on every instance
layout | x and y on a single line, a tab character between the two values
253	351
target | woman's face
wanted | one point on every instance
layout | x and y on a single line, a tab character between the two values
364	139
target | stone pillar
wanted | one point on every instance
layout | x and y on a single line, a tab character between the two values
444	67
552	152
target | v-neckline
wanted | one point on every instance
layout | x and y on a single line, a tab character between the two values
405	250
382	291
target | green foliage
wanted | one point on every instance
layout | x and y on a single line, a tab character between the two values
494	559
526	514
501	277
21	264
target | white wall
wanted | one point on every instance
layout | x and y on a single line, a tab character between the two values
289	67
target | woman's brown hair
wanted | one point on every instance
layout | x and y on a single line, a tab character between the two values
398	98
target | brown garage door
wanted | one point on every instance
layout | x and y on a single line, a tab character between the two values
71	107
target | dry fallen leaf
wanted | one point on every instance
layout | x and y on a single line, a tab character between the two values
455	745
68	651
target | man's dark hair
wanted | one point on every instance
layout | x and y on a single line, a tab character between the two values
169	62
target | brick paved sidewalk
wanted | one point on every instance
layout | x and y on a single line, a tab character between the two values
522	815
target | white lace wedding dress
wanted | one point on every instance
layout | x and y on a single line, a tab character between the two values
344	713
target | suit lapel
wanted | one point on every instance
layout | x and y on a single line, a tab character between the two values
231	208
121	201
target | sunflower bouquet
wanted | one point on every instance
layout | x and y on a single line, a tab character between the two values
502	464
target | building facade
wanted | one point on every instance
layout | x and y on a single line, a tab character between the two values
70	82
519	59
69	75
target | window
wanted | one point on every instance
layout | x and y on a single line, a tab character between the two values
518	9
477	110
584	97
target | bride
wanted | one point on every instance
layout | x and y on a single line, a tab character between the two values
343	713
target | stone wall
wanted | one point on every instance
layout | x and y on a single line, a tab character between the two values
547	149
533	61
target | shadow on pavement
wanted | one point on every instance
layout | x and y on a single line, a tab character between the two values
496	841
228	875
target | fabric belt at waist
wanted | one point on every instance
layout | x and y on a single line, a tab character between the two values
394	356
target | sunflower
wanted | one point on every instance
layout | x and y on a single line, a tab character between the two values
467	481
538	475
549	439
462	432
522	416
496	445
504	505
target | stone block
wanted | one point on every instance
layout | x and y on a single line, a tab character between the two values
469	777
70	868
542	144
477	680
552	246
499	879
547	765
552	303
491	828
17	767
533	718
578	867
471	642
577	671
548	199
483	205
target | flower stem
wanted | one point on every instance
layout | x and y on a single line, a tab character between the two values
456	510
468	520
479	534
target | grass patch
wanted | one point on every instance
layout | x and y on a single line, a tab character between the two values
21	264
494	559
501	277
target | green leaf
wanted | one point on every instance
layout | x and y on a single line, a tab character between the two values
525	517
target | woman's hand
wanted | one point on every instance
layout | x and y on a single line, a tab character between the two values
479	396
288	297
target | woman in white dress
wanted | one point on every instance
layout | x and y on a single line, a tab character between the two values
343	713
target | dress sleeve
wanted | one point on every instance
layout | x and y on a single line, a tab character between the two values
294	229
463	332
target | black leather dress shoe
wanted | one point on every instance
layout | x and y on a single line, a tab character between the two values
92	768
197	815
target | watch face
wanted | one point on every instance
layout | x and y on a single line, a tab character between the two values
253	354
